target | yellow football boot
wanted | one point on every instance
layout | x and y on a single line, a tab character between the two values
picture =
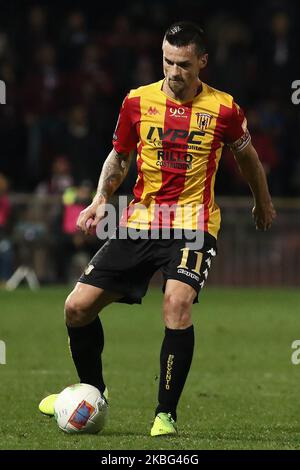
46	406
164	425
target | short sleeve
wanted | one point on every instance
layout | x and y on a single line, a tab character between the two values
237	135
125	136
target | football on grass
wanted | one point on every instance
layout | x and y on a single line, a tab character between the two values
80	408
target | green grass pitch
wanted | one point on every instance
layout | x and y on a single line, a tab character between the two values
242	391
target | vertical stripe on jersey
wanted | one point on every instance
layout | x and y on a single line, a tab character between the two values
212	165
136	117
135	104
173	179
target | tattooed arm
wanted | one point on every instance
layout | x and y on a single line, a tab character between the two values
113	173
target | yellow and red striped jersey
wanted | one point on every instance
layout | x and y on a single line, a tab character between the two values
179	145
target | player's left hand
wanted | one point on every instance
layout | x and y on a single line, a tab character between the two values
263	215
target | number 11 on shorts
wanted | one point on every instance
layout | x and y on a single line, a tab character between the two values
184	259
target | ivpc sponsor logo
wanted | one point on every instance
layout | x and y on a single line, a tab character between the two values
174	135
2	92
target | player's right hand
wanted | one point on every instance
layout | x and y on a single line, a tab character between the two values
90	216
263	215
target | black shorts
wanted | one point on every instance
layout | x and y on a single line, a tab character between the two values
126	266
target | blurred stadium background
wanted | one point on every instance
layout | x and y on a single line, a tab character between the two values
68	65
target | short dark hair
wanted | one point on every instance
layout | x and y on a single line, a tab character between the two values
184	33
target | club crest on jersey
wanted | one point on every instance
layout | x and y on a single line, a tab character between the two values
203	120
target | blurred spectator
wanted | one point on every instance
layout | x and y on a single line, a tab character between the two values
231	60
92	80
12	130
77	141
42	104
32	34
74	37
6	52
31	239
143	73
265	146
120	40
43	85
60	178
277	54
263	142
72	248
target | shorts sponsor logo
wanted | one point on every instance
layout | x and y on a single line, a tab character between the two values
188	274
